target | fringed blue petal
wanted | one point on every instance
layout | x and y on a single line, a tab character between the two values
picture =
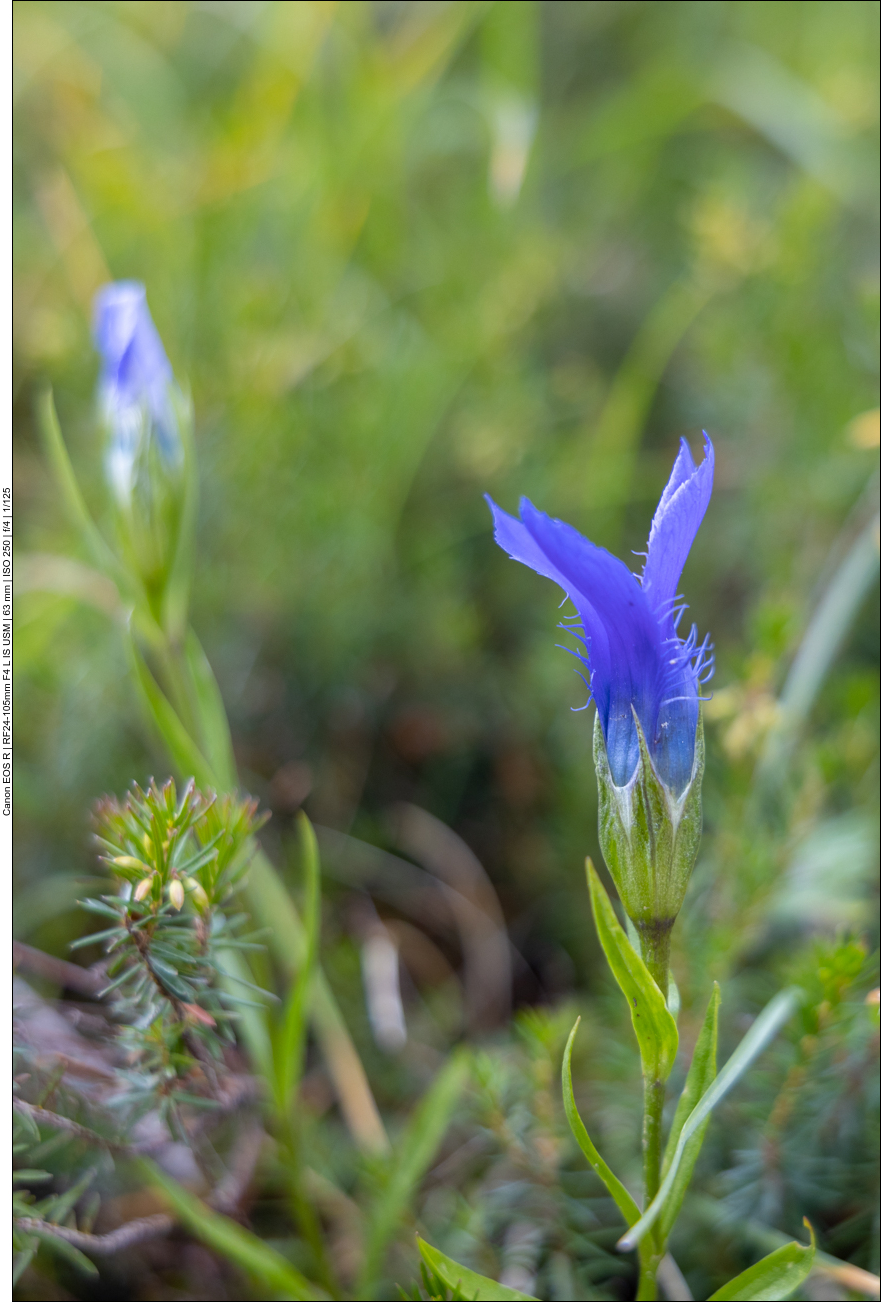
635	657
135	369
680	511
134	382
622	638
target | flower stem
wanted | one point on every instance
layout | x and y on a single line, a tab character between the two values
652	1250
647	1290
654	939
651	1137
655	942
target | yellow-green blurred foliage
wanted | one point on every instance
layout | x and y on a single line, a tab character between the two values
408	253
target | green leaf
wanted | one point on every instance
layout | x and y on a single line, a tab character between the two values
467	1282
175	599
198	861
56	453
58	1208
251	1018
213	724
762	1031
68	1251
27	1123
21	1263
268	1267
273	908
171	980
95	937
292	1032
655	1028
701	1075
424	1133
774	1277
184	752
626	1204
104	910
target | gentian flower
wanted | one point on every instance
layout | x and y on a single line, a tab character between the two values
135	386
148	423
638	666
645	680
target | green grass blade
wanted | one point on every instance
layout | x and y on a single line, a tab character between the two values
176	596
464	1282
701	1075
776	1276
185	754
273	908
211	713
626	1204
292	1033
251	1020
654	1026
829	627
760	1034
59	460
268	1267
424	1133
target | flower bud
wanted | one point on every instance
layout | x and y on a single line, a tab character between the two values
143	888
176	894
197	890
143	412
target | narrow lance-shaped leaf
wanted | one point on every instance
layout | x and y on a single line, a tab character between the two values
184	752
213	723
56	451
251	1018
21	1262
762	1031
273	1271
701	1075
273	907
654	1026
292	1032
775	1277
626	1204
177	589
66	1250
468	1283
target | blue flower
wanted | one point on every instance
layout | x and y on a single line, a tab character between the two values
135	382
636	661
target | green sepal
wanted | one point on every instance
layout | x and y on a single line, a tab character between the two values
655	1028
774	1277
701	1075
649	835
467	1283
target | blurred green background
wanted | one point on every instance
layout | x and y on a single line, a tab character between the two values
408	253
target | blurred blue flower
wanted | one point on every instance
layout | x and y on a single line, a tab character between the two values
135	382
635	658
